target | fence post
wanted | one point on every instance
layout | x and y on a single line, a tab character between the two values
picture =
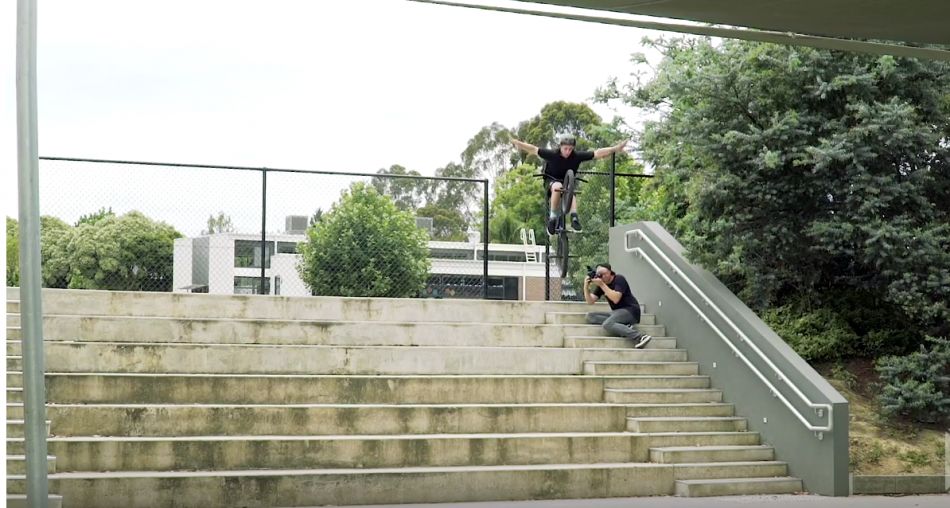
547	269
263	230
613	187
485	240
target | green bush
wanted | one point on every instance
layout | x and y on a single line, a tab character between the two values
365	246
918	385
817	335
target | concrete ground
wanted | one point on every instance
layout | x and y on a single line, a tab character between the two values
801	501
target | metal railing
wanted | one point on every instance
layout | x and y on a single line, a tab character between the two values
819	408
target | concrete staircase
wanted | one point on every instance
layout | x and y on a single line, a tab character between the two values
16	429
206	400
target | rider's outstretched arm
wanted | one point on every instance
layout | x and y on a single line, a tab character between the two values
600	153
527	147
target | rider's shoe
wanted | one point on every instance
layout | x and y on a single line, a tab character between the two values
552	225
576	223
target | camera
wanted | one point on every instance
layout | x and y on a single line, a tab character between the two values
591	273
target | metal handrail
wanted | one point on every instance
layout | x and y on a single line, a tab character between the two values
782	377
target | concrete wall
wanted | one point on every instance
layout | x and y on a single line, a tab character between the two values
693	305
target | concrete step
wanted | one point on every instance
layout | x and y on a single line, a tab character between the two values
15	347
15	428
15	410
14	333
385	485
15	379
19	501
645	382
15	363
344	389
683	439
738	486
580	318
351	451
680	410
13	319
661	395
618	342
687	424
330	419
16	464
180	305
732	453
598	330
15	394
634	368
256	359
77	453
293	332
13	306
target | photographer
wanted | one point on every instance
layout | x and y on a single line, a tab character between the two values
625	309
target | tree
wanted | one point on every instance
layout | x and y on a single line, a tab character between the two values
219	224
13	252
519	203
55	235
406	193
489	153
316	217
796	171
365	246
129	253
96	216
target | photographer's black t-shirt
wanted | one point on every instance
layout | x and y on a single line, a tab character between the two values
627	300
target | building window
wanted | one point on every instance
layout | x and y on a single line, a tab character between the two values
250	285
247	254
286	247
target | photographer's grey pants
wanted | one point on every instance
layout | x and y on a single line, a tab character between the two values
619	323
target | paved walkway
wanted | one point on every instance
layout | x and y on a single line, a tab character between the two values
934	501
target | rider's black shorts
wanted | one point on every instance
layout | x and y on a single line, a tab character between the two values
548	182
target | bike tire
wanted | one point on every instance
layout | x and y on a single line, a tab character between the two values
567	195
563	252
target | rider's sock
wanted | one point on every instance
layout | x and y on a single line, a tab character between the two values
573	214
552	214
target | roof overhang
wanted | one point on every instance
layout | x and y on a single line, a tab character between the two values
840	24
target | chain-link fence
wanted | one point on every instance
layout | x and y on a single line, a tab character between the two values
140	226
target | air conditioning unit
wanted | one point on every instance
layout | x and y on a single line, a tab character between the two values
424	223
296	224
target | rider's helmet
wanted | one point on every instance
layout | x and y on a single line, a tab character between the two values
566	139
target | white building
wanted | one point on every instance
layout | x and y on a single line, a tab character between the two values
230	263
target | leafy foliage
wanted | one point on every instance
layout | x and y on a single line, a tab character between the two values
365	246
220	223
918	385
13	252
793	171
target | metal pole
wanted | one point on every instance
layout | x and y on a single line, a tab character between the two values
263	229
547	269
485	240
31	308
613	188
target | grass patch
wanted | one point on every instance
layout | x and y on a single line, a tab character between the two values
882	446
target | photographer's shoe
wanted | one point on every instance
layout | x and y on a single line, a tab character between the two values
576	223
643	342
552	225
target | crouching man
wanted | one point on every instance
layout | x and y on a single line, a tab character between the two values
624	308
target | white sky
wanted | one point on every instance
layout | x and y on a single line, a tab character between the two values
352	85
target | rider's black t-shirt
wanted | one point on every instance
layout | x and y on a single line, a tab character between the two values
627	300
555	166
